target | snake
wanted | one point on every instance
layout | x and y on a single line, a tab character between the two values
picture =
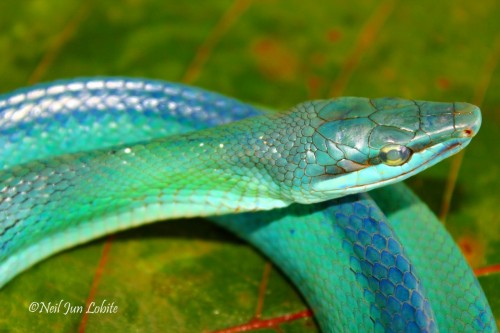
315	188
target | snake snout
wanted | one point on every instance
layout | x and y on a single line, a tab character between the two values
467	120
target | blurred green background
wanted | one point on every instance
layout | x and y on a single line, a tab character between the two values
189	276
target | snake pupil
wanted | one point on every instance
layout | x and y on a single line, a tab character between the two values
394	154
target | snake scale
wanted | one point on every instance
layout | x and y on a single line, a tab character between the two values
85	157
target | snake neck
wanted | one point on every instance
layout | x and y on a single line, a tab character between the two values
227	169
129	185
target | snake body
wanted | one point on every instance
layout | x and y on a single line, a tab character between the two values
86	157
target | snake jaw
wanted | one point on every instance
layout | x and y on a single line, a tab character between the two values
382	175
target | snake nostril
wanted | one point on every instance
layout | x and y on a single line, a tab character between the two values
467	133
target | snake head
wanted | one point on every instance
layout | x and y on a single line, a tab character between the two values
349	145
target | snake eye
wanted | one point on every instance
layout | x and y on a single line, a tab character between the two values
394	155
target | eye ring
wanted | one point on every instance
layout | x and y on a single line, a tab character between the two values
395	155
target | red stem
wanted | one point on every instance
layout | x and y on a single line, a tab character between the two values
256	324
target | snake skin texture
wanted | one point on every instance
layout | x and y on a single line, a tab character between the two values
353	237
464	312
362	263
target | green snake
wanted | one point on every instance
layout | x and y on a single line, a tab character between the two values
87	157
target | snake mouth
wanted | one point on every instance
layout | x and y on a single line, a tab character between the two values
339	186
447	151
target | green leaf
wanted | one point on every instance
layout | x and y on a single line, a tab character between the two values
189	276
